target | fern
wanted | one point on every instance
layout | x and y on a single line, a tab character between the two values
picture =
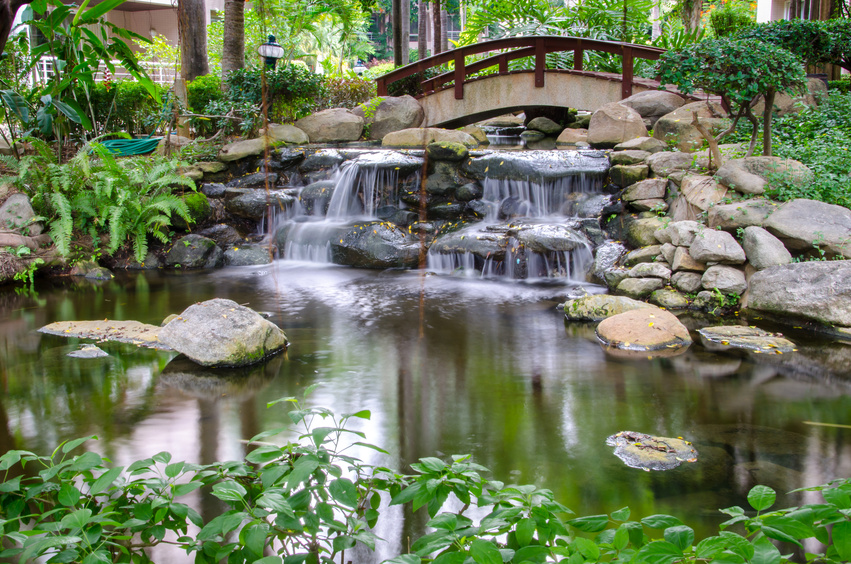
62	226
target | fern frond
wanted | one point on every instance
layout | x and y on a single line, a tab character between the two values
63	226
118	228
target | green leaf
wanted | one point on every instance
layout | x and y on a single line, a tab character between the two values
680	536
841	536
621	539
524	531
765	552
77	519
85	461
302	469
445	521
659	552
183	489
229	491
174	470
362	414
91	15
408	493
532	553
590	524
432	464
16	103
587	548
761	497
269	560
484	552
342	542
253	537
68	495
412	559
660	521
105	480
162	457
621	514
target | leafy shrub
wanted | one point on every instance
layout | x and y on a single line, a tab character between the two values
809	40
731	17
203	90
843	85
341	92
123	105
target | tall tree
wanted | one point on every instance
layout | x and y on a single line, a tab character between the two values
406	31
396	24
436	39
444	29
422	30
233	41
192	29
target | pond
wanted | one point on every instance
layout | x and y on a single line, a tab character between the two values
446	365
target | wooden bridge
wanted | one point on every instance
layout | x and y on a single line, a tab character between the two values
456	98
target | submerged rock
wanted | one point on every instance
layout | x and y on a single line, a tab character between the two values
375	245
536	165
88	351
741	337
640	450
132	332
221	332
596	307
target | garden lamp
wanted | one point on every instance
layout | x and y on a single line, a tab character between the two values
270	51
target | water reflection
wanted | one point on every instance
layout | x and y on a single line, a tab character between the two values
483	368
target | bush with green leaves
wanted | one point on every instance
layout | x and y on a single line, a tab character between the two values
806	39
123	105
731	17
346	92
310	501
739	71
96	194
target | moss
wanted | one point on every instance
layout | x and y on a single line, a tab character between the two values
199	206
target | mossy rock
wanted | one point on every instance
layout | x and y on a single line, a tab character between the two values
447	151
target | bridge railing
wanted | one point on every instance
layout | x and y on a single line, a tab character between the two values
513	48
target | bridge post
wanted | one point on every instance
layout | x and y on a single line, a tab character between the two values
578	53
626	85
460	74
540	62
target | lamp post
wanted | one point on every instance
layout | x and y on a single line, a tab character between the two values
270	51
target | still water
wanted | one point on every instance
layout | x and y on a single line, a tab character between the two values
446	366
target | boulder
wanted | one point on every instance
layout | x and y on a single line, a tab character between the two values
701	191
750	175
194	251
688	282
222	234
784	104
421	137
532	136
731	217
221	332
545	125
764	249
646	189
679	233
668	251
626	175
717	246
211	167
676	129
535	166
247	148
596	307
642	254
725	279
247	255
653	104
650	270
286	133
606	256
640	450
817	290
256	180
643	330
544	238
254	204
804	224
17	214
447	151
728	337
477	133
391	114
640	232
174	142
666	163
572	137
647	144
375	245
628	157
639	288
333	125
669	299
614	123
481	243
683	261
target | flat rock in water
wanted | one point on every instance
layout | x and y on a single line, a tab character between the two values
640	450
595	307
88	351
742	337
643	330
132	332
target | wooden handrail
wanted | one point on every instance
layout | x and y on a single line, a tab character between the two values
537	46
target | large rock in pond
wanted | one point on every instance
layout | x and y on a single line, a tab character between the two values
728	337
817	290
640	450
536	165
716	246
194	251
389	114
653	104
375	245
221	332
804	224
596	307
254	203
421	137
332	126
643	330
614	123
676	129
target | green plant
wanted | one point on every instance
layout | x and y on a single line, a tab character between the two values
809	40
338	92
731	17
27	275
123	105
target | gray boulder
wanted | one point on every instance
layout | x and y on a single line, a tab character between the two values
221	332
194	251
606	256
628	157
247	255
669	299
17	214
676	128
717	246
255	203
421	137
572	137
641	232
804	224
818	290
247	148
642	254
332	126
286	133
646	190
750	175
653	104
688	282
391	114
639	288
626	175
679	233
725	279
764	249
730	217
647	144
666	163
545	125
614	123
595	307
650	270
682	260
376	245
535	165
697	194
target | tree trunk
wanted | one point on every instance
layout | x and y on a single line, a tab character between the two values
766	121
233	42
8	9
192	29
396	25
691	14
444	30
406	31
422	30
437	32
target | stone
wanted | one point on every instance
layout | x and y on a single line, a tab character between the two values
221	332
132	332
669	299
668	251
331	126
535	166
683	261
626	175
377	245
213	189
725	279
645	190
784	104
447	151
734	175
222	234
191	172
614	123
421	137
728	337
639	288
99	273
640	232
650	270
531	136
816	290
653	104
507	120
88	351
731	217
173	141
702	191
639	450
688	282
628	157
17	214
391	114
252	203
194	251
211	167
246	148
642	254
315	196
544	238
764	249
469	191
256	180
666	163
717	246
647	144
676	129
286	133
572	137
804	224
545	125
679	233
606	256
596	307
247	255
643	330
657	205
614	276
477	133
749	175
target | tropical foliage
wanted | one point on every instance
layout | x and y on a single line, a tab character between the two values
311	501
